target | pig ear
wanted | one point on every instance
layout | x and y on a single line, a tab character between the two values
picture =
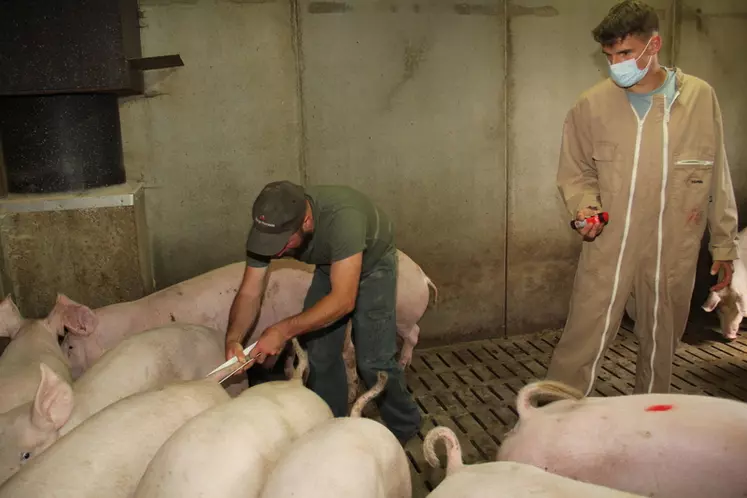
78	318
10	318
713	299
53	402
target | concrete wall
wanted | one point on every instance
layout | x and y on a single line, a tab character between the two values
553	58
448	113
707	46
407	104
209	135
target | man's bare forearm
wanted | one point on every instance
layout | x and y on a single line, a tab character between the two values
242	315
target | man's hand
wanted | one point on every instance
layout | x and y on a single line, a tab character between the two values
234	348
591	230
271	342
728	267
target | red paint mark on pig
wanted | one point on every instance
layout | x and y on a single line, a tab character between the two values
659	408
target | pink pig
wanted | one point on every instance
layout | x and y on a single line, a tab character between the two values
660	445
207	298
502	479
730	302
202	300
33	342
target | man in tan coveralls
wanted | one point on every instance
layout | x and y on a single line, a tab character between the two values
646	146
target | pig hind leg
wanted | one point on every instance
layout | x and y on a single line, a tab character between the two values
410	340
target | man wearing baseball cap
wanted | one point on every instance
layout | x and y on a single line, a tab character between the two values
351	243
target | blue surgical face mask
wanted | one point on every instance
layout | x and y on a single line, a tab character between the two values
626	73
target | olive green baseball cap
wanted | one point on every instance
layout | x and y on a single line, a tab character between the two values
277	214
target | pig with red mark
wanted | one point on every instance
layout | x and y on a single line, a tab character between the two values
660	445
730	302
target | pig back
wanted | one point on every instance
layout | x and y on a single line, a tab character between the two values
342	457
488	480
284	296
229	449
301	407
108	453
645	443
145	361
205	299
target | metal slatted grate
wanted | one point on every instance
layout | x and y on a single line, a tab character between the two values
471	387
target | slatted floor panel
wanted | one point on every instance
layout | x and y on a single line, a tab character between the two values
471	387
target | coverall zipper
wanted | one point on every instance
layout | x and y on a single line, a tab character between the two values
626	230
660	234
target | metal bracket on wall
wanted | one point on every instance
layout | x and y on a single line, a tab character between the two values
157	62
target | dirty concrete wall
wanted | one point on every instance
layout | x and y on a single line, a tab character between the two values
708	38
207	136
405	101
706	46
448	113
553	58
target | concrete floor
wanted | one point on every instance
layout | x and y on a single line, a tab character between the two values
471	387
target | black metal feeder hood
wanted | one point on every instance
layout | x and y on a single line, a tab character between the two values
63	65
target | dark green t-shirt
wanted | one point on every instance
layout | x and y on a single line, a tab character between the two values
346	222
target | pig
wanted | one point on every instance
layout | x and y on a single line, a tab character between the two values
349	456
10	318
413	298
229	449
662	445
203	300
729	302
32	343
501	479
207	299
141	362
108	453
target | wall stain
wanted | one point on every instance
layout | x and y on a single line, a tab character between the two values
414	55
544	11
193	2
328	7
462	9
167	2
467	9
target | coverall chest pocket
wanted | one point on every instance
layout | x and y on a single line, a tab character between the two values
604	155
692	172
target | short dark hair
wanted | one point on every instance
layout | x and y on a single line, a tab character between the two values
629	17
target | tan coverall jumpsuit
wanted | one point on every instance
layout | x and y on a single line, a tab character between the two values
660	178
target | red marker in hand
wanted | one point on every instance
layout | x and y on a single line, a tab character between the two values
602	218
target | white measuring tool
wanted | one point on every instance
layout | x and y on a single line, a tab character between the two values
235	360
